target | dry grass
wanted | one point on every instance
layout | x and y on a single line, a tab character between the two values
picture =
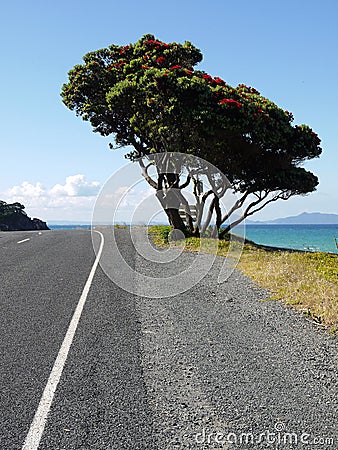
307	281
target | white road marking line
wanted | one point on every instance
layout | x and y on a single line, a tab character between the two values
37	427
23	240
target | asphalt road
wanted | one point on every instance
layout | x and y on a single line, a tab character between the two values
212	367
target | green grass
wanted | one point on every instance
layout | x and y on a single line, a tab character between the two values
307	281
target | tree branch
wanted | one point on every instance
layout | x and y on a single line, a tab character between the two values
184	185
236	205
146	175
201	208
248	213
218	217
187	210
209	216
261	198
277	197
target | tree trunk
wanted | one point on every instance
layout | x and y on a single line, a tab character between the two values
218	224
209	216
170	199
175	219
188	217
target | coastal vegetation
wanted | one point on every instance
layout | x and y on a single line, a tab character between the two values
13	217
150	96
305	280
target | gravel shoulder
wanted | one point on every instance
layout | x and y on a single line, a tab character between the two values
220	358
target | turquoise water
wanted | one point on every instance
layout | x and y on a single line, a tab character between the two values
299	237
69	227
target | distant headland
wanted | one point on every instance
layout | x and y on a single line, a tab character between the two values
14	218
304	218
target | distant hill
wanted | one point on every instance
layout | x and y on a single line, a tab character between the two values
304	218
14	218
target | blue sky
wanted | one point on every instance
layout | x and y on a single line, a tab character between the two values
55	164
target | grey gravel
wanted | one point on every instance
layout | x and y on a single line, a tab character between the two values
222	359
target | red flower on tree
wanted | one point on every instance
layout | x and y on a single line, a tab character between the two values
157	43
123	49
219	80
230	101
160	60
175	67
206	77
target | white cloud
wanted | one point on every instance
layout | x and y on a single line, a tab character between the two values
75	186
73	200
27	190
75	197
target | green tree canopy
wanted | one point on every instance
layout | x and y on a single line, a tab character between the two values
149	95
11	208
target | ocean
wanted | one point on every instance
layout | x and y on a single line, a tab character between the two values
298	237
69	227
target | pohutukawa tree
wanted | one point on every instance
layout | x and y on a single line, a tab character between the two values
148	95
